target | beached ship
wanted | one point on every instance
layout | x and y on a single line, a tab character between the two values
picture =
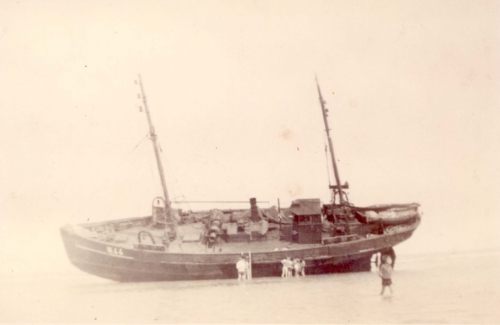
184	245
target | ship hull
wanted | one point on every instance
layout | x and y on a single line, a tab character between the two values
115	262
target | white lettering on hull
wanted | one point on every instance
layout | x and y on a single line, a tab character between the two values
113	251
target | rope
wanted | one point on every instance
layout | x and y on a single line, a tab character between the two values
182	194
175	178
119	165
363	148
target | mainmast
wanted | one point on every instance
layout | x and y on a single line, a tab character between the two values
338	187
152	135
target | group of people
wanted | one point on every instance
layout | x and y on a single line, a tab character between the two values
291	267
297	266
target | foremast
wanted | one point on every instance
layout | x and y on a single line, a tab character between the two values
338	187
153	137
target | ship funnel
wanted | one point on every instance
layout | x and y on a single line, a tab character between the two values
254	210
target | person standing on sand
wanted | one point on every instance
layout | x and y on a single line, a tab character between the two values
300	267
297	266
385	272
247	268
241	266
290	267
287	264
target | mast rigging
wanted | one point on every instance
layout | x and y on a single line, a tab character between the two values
152	135
338	187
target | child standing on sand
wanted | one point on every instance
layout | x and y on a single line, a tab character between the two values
385	273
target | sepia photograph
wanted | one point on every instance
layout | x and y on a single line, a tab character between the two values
250	162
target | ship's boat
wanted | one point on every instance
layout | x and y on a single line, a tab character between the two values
173	244
387	214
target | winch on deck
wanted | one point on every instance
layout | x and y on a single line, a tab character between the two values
242	227
215	226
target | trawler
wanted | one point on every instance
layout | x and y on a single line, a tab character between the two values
171	244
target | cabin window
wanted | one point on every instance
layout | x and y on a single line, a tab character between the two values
308	219
304	219
316	219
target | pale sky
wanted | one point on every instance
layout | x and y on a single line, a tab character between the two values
412	88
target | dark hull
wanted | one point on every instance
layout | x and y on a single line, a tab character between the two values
114	262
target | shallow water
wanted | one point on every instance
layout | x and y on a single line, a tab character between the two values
433	288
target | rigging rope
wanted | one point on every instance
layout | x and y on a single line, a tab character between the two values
362	146
175	179
117	168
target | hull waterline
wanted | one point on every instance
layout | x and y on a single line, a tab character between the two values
114	262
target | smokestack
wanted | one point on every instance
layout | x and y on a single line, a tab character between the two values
254	210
